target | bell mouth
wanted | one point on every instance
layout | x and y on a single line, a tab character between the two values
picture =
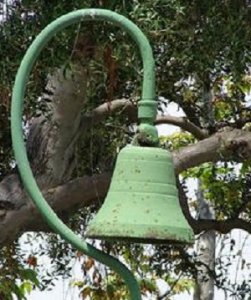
145	241
141	234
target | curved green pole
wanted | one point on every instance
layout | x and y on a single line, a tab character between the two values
147	114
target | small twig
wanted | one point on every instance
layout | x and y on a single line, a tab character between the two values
75	42
169	291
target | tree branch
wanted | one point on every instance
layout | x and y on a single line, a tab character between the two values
228	144
106	109
183	123
24	215
51	144
201	225
224	226
128	107
231	144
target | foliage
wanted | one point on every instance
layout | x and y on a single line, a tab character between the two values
16	278
193	57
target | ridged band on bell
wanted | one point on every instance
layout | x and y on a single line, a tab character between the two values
142	203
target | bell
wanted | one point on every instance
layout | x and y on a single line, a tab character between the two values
142	204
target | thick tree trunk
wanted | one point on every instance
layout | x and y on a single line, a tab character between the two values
204	289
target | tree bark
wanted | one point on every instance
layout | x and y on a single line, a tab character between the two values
204	288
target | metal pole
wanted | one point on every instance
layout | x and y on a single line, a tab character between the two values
147	114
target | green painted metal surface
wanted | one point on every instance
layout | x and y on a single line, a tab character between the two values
157	203
142	204
146	114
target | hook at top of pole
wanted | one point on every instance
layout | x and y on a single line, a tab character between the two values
146	115
147	106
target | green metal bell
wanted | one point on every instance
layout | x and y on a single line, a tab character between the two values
142	203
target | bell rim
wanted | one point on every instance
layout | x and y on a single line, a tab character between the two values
158	234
